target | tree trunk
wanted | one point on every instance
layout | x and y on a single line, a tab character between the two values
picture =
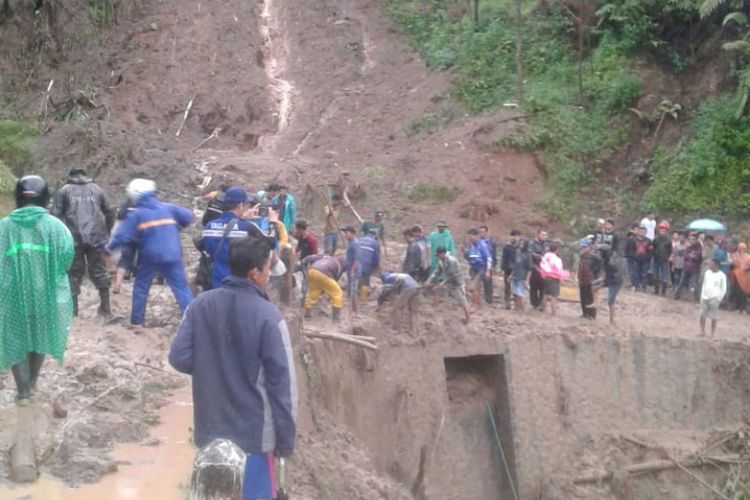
476	14
581	31
519	53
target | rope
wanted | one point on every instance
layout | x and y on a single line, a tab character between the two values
500	447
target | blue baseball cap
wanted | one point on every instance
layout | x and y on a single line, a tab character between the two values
235	194
585	243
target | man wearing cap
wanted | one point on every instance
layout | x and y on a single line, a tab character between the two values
284	203
235	345
589	269
155	227
441	237
220	231
85	210
376	228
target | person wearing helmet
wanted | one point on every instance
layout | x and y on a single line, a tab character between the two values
662	253
155	227
36	306
85	210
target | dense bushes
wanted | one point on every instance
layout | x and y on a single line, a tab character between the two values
709	172
578	126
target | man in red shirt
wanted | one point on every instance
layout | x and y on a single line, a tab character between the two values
307	243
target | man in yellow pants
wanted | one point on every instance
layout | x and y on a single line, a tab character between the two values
323	273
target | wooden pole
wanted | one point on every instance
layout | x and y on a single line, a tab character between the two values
656	466
22	454
340	338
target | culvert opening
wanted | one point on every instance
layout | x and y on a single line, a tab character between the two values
475	383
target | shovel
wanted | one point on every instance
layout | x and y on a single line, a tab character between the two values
281	493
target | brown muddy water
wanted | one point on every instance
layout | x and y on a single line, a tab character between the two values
161	471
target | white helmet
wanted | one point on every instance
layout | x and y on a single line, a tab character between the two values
140	187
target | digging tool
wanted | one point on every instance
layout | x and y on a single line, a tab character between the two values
491	414
327	199
281	494
348	203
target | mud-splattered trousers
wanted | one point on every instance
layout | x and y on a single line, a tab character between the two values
87	256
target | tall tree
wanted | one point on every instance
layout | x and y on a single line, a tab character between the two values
519	53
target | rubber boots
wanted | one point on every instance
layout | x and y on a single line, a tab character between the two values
104	309
336	313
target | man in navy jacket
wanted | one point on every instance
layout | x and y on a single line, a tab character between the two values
155	227
235	344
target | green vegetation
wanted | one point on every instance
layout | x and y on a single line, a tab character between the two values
580	90
102	13
7	189
15	139
709	172
578	126
431	122
422	192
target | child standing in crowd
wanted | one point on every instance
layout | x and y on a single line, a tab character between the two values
712	293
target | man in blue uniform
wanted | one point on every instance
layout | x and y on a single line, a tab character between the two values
155	226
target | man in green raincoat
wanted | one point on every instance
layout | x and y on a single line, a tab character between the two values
36	308
441	237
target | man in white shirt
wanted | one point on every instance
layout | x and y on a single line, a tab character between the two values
713	291
649	222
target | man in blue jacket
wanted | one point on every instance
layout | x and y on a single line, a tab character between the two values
480	265
228	226
155	227
368	258
235	344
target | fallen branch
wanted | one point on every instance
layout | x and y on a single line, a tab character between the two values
697	478
341	338
185	116
213	135
146	365
45	103
656	466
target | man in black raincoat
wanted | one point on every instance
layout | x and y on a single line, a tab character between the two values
84	208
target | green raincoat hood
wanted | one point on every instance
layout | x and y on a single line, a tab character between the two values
27	216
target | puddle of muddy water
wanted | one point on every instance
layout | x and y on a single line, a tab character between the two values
161	471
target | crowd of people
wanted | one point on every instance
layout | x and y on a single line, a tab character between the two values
232	336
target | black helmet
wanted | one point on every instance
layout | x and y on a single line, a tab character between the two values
31	190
